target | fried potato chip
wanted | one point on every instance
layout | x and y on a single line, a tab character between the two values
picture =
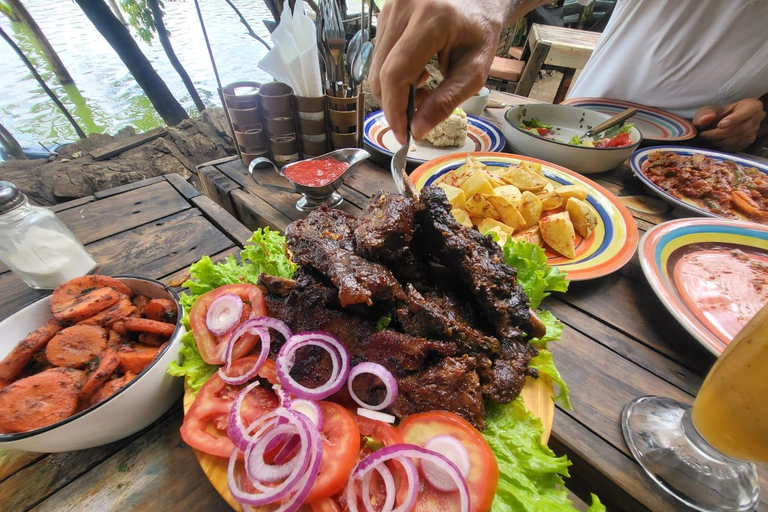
582	215
477	184
550	200
455	195
532	167
530	235
480	209
511	193
530	209
568	191
462	217
549	187
557	232
508	214
524	179
490	224
456	177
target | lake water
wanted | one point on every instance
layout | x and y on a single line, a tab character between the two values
105	97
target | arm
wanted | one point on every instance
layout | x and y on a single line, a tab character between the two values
732	127
464	35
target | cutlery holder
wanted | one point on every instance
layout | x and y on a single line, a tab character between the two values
250	140
345	121
241	95
276	101
241	100
313	125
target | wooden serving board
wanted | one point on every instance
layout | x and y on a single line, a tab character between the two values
537	395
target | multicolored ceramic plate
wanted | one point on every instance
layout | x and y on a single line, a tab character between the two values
607	249
711	274
655	125
481	136
638	159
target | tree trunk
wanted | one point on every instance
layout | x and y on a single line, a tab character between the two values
118	12
162	34
24	17
8	12
137	63
10	144
42	83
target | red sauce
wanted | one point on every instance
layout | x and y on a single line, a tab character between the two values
316	173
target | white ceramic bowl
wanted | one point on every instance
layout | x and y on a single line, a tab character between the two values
570	121
135	406
475	105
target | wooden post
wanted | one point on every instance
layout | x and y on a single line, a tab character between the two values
24	17
10	144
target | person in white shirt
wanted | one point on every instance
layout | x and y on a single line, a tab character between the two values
706	60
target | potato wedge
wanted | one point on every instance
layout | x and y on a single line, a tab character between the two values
508	214
524	179
474	165
477	184
480	209
511	193
530	209
549	187
532	167
530	235
491	224
550	200
493	177
456	177
582	215
456	196
568	191
503	236
557	232
462	217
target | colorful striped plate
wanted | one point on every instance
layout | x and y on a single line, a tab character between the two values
607	249
655	125
481	136
638	159
711	274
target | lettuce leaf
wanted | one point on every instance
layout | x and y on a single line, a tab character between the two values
534	275
530	474
264	253
544	364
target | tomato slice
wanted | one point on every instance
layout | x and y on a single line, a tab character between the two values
205	424
208	344
542	131
484	471
619	141
341	445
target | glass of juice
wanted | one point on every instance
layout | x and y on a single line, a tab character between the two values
703	455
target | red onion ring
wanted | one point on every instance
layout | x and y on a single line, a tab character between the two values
258	325
224	313
287	358
236	430
389	483
454	451
257	469
376	415
382	373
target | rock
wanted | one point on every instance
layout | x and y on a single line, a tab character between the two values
74	173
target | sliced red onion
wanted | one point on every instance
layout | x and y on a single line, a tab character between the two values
258	469
389	484
454	451
378	464
290	443
382	373
251	373
224	313
287	358
309	409
282	395
236	430
376	415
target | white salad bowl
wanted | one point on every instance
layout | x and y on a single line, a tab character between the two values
135	406
475	105
567	121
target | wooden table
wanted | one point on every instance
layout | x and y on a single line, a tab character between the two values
565	49
620	341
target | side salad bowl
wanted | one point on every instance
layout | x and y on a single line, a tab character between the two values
132	408
566	122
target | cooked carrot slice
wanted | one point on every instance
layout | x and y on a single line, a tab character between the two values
111	387
12	365
65	294
146	325
115	339
40	400
140	301
119	327
137	357
112	314
108	363
162	310
87	305
153	340
76	345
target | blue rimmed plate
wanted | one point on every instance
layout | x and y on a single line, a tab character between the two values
481	136
656	125
638	163
711	274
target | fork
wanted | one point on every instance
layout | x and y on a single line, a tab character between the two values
335	39
399	161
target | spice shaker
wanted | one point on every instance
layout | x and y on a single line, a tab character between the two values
36	245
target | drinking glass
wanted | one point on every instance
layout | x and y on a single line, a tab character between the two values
701	455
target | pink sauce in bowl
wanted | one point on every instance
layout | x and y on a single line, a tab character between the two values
316	173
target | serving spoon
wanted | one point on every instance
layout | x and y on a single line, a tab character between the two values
610	123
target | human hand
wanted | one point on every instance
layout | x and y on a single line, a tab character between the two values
464	35
730	128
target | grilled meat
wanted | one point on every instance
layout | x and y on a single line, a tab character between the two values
478	262
325	241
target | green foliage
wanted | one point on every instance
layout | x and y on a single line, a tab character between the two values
140	18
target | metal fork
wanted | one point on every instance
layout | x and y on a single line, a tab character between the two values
399	161
336	40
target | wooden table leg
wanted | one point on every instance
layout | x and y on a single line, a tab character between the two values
532	67
565	84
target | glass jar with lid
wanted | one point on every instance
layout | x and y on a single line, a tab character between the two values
36	245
